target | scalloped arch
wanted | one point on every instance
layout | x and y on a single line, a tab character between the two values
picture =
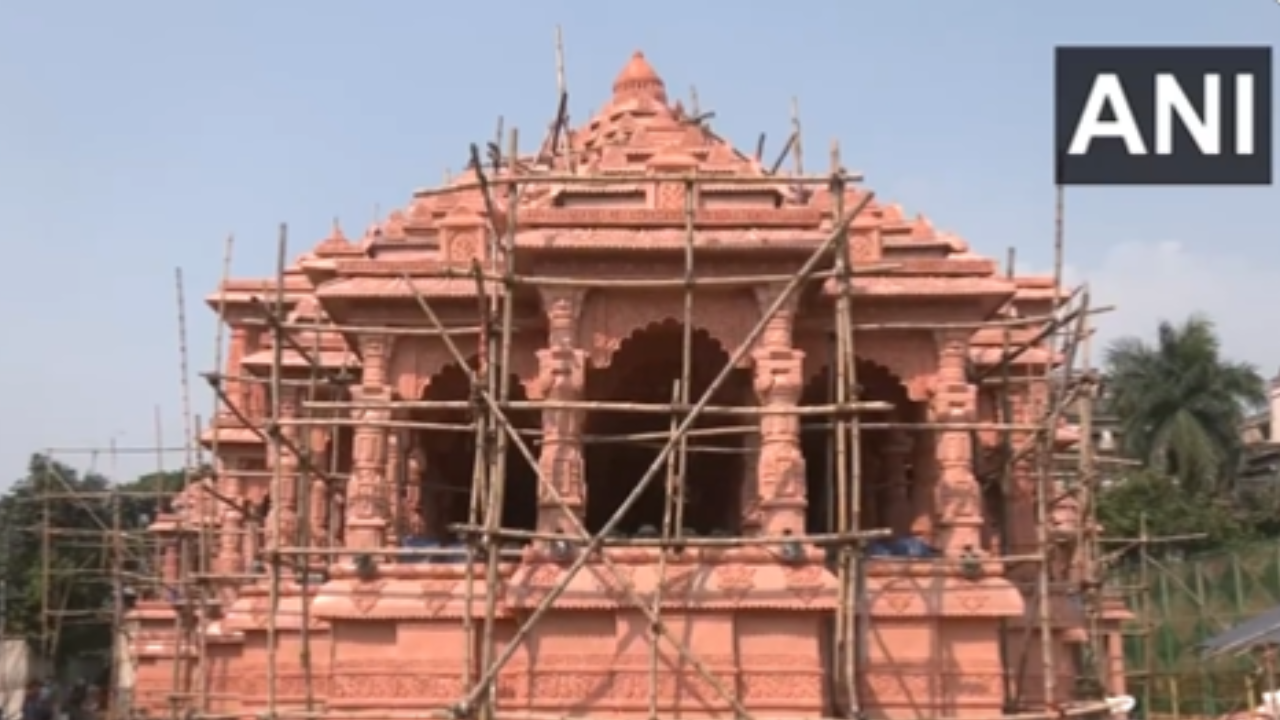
909	357
416	361
611	317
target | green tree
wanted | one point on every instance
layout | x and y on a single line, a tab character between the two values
1142	497
63	572
72	573
1180	403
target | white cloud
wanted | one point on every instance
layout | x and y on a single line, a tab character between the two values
1150	282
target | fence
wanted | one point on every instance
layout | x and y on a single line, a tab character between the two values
1178	604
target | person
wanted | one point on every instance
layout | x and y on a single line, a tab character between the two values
76	699
30	700
38	703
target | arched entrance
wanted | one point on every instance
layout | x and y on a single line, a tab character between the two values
440	465
644	370
880	489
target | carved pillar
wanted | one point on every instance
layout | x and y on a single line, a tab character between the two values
415	467
894	456
232	385
395	488
957	497
230	538
561	368
1020	504
366	520
284	490
170	547
243	343
779	380
318	504
750	498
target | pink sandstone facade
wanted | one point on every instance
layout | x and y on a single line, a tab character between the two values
937	637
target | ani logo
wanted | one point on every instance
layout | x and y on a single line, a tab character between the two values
1163	115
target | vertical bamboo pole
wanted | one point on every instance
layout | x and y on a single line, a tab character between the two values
1148	638
1086	470
307	533
193	471
46	563
214	445
848	455
1044	483
681	455
502	259
1007	488
671	496
277	474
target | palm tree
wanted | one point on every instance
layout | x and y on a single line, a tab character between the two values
1180	403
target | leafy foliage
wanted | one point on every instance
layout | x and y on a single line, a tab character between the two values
1181	403
69	571
1157	500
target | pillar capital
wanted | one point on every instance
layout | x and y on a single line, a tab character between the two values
766	295
778	327
563	307
952	340
375	356
561	372
562	299
779	375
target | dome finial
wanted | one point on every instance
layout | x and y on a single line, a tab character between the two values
638	78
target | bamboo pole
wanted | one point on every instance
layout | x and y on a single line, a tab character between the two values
277	448
216	466
1043	487
1007	481
306	536
193	623
848	458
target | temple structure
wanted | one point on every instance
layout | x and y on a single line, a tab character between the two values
367	462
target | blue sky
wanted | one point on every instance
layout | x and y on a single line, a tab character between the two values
136	134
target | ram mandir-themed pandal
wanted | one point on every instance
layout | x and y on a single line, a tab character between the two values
637	424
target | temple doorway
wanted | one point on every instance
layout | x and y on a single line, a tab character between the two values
440	464
645	369
880	489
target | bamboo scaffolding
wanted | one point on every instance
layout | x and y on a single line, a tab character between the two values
496	436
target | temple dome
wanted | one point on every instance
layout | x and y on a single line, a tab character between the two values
639	79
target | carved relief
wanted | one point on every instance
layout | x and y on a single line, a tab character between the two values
735	581
678	583
805	582
436	594
365	595
613	584
465	247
